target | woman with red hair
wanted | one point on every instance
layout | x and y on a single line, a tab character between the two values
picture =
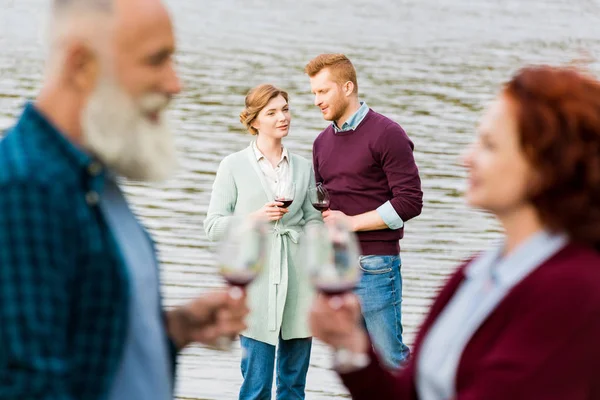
521	321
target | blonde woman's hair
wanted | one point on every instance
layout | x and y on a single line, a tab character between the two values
256	100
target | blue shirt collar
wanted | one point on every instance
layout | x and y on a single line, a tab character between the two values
354	120
59	142
522	261
55	142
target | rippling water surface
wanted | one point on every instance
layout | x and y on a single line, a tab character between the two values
430	65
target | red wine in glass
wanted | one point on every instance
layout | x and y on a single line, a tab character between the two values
321	206
335	288
285	191
286	202
319	197
239	279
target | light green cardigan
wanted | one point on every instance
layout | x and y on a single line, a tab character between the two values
279	298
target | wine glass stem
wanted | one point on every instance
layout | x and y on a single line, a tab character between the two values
336	302
236	293
224	343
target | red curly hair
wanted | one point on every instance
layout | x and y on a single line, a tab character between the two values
558	114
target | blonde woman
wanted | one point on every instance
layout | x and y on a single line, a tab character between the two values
280	297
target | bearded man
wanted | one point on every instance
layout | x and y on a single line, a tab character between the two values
80	307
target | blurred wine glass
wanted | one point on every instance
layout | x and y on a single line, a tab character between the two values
241	257
319	197
331	254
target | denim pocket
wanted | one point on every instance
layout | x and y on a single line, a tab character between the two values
376	265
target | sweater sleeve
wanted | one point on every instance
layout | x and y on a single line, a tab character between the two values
222	203
396	156
376	382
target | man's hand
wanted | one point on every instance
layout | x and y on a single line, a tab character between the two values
334	216
369	221
207	318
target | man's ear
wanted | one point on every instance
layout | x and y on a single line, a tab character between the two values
348	88
81	67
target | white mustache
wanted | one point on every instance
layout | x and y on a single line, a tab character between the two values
154	102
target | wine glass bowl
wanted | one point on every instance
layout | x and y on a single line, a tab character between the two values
331	254
319	197
241	256
285	191
242	253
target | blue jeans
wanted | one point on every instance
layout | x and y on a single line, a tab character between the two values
380	294
293	357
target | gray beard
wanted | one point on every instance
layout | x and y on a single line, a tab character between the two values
117	132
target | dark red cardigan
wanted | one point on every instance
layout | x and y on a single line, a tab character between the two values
541	342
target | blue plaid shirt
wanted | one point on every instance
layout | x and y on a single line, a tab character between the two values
64	289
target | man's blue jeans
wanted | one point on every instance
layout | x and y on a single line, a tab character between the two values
380	293
293	357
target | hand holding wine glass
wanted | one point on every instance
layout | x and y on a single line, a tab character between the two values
319	197
271	211
206	319
339	324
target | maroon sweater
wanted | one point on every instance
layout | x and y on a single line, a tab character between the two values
541	342
364	168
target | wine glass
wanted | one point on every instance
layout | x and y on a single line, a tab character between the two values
241	256
319	197
285	191
331	254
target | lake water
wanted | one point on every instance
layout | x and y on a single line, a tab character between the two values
430	65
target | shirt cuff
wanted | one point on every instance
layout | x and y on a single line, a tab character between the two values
389	215
345	361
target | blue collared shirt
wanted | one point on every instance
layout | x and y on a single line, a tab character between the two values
144	372
386	211
354	120
64	282
488	279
